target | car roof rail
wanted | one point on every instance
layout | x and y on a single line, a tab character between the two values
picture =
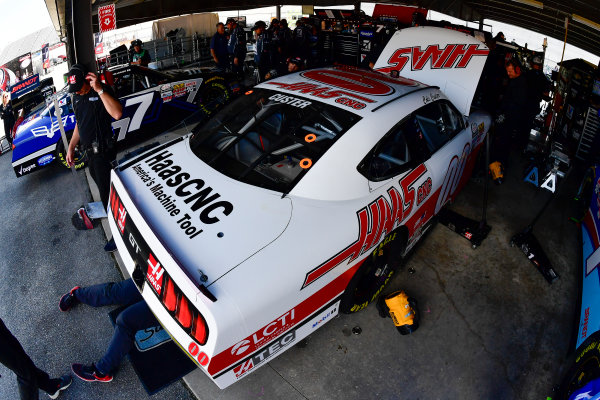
403	95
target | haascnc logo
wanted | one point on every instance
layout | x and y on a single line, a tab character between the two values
240	347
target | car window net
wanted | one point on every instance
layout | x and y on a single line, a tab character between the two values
269	139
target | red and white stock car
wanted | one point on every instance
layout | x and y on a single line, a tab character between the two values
297	200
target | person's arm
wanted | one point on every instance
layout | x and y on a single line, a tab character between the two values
145	58
214	55
212	50
74	141
112	105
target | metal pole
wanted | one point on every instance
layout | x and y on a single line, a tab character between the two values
486	184
565	42
83	36
552	104
58	114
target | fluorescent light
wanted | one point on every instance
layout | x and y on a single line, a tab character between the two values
586	21
532	3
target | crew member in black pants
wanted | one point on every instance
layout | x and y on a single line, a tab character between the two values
94	105
29	376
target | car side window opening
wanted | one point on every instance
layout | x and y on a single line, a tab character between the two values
270	139
439	122
403	148
124	85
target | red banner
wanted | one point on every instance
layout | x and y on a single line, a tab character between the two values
107	18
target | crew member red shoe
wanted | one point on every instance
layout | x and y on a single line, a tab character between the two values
90	373
68	300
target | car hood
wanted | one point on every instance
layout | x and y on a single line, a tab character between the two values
208	222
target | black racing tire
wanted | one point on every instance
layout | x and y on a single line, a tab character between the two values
583	367
374	274
61	155
214	94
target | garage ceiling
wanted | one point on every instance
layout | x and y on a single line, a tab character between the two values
546	17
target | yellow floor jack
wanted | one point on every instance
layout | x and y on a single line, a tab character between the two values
402	309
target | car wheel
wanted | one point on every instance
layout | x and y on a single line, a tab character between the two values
214	94
61	155
374	274
584	367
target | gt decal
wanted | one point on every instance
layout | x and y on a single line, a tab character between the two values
374	221
451	56
126	125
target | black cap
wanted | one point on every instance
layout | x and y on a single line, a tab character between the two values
274	21
76	78
299	61
136	42
259	24
230	21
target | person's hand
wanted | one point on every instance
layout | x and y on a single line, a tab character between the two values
70	157
94	82
236	60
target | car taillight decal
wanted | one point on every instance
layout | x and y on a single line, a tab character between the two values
155	275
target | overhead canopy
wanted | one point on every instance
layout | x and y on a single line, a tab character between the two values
546	17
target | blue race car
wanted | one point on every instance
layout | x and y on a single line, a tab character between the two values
152	101
582	379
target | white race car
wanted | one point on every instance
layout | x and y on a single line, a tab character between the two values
299	199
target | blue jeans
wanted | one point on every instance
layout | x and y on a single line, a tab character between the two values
133	318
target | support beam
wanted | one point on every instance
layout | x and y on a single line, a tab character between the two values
278	12
82	34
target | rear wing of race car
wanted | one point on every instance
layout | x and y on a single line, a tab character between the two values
441	57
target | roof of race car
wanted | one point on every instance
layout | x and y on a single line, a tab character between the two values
353	89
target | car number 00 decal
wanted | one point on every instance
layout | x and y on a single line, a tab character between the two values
348	80
128	124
